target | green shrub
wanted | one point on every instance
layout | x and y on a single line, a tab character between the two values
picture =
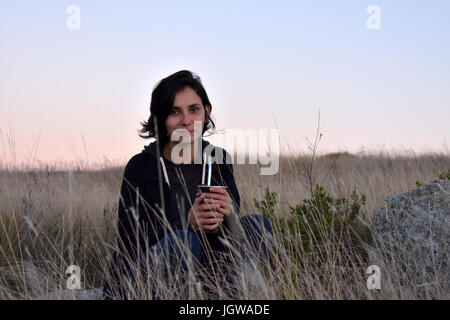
445	175
267	205
324	218
321	219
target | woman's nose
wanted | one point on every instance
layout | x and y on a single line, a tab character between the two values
186	119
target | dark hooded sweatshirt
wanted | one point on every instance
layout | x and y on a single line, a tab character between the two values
142	204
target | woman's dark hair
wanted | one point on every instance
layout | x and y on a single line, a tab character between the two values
161	103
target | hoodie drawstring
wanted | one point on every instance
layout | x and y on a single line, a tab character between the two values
164	171
166	177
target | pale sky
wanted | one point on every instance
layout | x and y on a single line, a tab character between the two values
264	64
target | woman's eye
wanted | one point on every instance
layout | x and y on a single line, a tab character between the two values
195	109
173	111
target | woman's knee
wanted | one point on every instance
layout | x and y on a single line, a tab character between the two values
259	232
259	221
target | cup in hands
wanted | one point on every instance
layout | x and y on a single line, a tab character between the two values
209	215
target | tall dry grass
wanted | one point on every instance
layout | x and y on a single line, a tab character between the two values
51	218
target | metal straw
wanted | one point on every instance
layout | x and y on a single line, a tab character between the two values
209	171
203	171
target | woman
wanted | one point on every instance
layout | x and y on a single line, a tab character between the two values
160	204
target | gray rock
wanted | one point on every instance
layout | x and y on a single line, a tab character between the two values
411	242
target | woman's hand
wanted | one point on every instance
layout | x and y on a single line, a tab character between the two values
219	196
204	216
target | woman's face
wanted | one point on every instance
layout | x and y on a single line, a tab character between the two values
186	110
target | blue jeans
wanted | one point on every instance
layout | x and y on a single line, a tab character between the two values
194	252
197	253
